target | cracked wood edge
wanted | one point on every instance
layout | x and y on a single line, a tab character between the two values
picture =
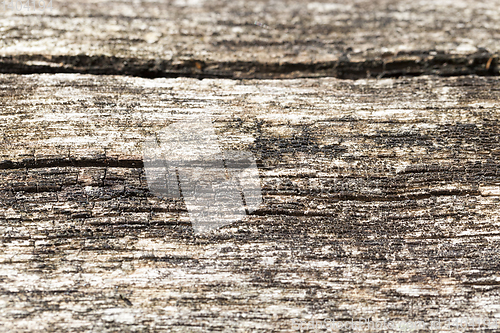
238	39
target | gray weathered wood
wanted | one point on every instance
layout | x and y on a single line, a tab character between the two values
381	201
381	196
257	39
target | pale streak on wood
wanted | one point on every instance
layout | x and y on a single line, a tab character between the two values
490	190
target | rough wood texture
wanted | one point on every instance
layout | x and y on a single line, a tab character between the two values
254	39
381	201
381	195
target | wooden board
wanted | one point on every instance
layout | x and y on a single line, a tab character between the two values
256	39
381	202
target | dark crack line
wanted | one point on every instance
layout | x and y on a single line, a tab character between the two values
32	163
402	64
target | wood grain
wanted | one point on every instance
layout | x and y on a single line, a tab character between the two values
254	39
381	201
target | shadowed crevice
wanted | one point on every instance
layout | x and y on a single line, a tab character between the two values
402	64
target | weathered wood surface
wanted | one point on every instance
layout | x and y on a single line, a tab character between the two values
254	39
381	196
381	201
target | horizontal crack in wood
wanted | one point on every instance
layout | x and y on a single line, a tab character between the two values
402	64
33	163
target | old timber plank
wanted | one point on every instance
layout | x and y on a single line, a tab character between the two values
254	39
381	201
